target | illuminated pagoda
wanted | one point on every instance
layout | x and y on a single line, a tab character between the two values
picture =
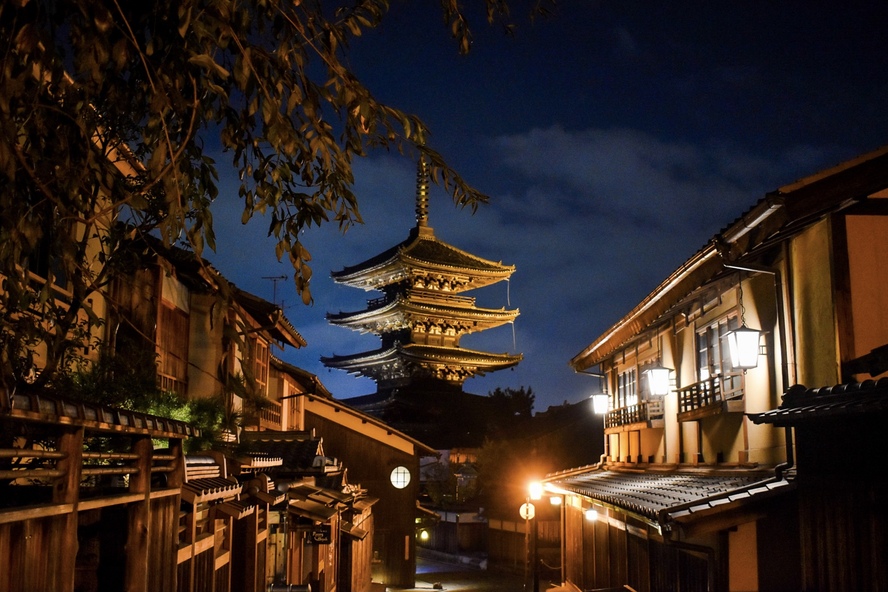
420	367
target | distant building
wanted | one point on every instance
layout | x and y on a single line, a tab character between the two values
420	366
699	489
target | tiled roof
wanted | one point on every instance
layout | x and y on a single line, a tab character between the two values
416	352
297	450
801	404
93	416
426	248
663	496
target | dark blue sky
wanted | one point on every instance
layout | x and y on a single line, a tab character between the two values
614	138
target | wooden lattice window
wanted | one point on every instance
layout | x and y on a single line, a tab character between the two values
172	340
260	365
627	388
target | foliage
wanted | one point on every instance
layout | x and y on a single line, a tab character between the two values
501	474
511	411
128	380
110	109
513	402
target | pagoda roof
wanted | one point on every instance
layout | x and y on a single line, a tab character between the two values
422	251
383	316
388	360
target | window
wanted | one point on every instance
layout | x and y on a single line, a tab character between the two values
627	393
173	345
400	477
260	365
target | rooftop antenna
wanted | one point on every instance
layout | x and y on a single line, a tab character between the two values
274	282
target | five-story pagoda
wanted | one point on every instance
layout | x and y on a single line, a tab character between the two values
420	367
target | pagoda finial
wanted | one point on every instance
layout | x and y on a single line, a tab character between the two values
422	192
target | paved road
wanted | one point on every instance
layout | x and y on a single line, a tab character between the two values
451	577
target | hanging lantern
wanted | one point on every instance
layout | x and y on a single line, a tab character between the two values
743	344
658	380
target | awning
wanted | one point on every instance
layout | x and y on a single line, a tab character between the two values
318	494
210	489
363	503
235	509
311	510
801	405
353	531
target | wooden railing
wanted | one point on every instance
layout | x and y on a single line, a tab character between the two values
646	411
171	384
700	394
270	416
707	394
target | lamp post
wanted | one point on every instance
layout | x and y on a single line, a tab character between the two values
535	492
527	512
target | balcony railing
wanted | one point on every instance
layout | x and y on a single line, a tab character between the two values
723	392
171	384
649	412
270	416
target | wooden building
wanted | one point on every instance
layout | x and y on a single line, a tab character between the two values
698	489
211	339
380	459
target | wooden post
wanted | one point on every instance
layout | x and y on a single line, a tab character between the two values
66	490
139	519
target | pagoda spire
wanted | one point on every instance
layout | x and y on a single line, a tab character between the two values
422	192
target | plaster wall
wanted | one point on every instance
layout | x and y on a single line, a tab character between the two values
742	559
813	307
867	238
204	347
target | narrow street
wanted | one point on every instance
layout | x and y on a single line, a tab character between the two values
433	574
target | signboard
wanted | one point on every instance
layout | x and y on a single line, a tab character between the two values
527	511
319	535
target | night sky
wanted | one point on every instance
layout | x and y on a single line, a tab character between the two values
614	138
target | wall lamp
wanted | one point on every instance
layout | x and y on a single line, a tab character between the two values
743	344
600	403
658	379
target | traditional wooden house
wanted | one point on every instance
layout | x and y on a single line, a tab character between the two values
697	489
382	460
313	513
421	318
211	339
842	496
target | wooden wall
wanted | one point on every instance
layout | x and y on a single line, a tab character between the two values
370	463
609	552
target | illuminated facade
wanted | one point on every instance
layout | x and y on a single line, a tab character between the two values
699	489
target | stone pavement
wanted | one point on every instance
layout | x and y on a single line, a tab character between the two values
451	574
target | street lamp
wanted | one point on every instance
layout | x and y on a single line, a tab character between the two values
528	512
743	343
